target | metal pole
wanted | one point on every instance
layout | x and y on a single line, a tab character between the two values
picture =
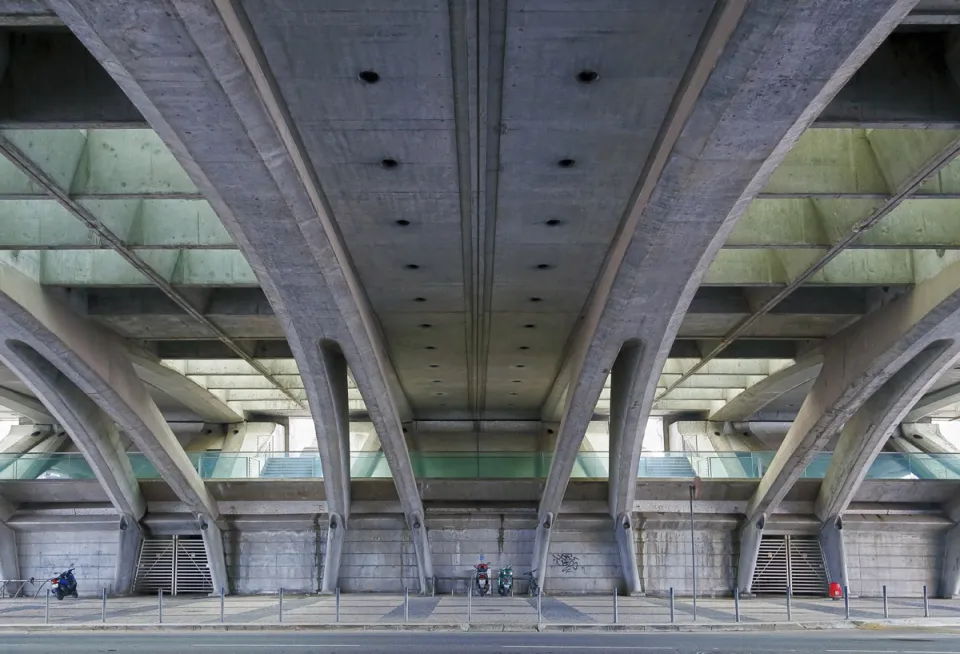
222	593
338	603
926	603
693	556
469	601
616	609
103	606
846	602
672	614
539	607
406	604
281	606
160	605
789	607
886	613
736	602
46	609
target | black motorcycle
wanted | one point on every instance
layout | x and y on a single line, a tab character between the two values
64	585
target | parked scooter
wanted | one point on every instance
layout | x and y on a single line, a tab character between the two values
482	578
64	585
505	581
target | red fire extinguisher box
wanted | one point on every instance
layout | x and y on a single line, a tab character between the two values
835	591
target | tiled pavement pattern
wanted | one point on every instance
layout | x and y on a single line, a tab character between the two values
447	609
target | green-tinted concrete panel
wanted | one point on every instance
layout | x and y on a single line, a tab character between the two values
829	161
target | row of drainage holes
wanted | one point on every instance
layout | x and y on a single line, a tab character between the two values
427	325
540	266
522	347
423	299
584	76
390	164
553	222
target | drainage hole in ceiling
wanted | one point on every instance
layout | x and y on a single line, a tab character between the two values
389	163
588	76
371	77
566	163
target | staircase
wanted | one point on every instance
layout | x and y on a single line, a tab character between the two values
282	467
666	466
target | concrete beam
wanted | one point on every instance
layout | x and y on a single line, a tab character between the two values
28	407
37	329
193	396
866	433
225	123
704	172
932	402
23	438
754	398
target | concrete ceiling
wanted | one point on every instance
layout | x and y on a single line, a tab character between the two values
477	270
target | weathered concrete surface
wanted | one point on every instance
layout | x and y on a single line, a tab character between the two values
700	180
224	122
9	560
26	406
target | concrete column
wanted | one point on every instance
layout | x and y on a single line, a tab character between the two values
623	381
239	437
834	554
129	541
335	458
858	362
31	467
221	110
750	535
9	558
66	360
665	245
950	575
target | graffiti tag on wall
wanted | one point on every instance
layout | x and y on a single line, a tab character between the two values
566	562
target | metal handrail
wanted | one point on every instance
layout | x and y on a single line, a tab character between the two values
19	591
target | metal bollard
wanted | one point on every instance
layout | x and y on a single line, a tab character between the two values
103	606
46	609
469	602
736	602
846	602
539	607
406	604
222	593
926	603
338	603
886	613
160	606
616	609
672	613
789	607
281	606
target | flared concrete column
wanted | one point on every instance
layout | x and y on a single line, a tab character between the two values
98	439
623	381
950	575
702	175
919	327
9	557
76	366
750	535
227	124
335	458
834	552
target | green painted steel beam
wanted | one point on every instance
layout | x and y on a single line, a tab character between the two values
866	267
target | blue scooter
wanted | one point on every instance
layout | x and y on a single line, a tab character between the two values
65	585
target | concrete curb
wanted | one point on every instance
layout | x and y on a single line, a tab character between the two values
492	628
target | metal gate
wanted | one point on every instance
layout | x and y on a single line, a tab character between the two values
796	561
174	565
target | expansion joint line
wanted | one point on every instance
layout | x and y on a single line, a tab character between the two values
81	213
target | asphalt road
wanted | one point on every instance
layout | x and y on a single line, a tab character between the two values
927	641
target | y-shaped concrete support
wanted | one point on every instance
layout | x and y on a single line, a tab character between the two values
50	345
97	438
862	438
700	178
335	454
898	348
9	557
227	124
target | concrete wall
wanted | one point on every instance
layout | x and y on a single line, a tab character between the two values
664	554
264	561
458	539
42	554
903	554
583	556
378	555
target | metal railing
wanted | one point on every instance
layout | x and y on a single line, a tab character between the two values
482	465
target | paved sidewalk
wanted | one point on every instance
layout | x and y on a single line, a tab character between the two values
367	609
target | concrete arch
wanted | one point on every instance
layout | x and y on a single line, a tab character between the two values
753	399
